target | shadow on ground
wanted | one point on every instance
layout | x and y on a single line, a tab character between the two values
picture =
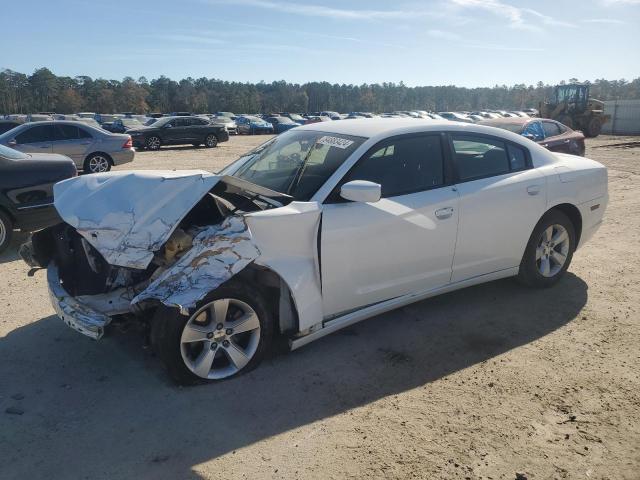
108	409
11	253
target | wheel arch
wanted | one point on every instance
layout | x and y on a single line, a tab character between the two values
277	293
574	215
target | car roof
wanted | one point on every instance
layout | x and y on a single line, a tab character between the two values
380	128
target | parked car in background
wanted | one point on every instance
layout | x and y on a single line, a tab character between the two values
252	125
226	122
6	125
39	117
455	117
231	115
93	150
281	124
331	115
89	121
317	119
378	214
86	115
122	125
299	119
180	130
103	118
26	190
550	134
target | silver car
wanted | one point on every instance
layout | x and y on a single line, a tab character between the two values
92	150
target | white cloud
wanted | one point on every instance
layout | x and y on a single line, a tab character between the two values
327	12
604	21
518	18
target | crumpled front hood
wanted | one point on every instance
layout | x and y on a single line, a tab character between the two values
129	215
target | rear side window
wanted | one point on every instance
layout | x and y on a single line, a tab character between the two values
550	129
517	158
65	132
82	133
479	157
39	133
404	165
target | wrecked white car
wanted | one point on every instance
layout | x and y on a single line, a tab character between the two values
317	229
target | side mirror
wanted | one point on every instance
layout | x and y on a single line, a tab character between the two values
168	125
12	142
530	136
361	191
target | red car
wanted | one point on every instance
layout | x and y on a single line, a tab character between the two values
550	134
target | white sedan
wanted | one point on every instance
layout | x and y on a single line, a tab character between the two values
317	229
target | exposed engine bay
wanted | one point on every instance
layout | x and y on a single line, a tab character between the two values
209	245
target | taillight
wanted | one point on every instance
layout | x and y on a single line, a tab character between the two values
128	143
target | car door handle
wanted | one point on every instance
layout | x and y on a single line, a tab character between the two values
566	141
444	213
533	189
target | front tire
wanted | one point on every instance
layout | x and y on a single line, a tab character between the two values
97	163
6	231
549	251
211	141
228	334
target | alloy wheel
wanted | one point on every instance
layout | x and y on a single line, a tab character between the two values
552	250
98	163
3	232
220	338
153	143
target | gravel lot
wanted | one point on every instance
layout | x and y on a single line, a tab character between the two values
486	382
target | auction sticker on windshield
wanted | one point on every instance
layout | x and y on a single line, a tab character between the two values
342	143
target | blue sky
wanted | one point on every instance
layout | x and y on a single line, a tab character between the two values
460	42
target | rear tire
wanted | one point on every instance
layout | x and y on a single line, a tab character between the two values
183	354
549	251
97	163
594	127
6	231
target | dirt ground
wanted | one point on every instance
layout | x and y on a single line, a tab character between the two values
490	382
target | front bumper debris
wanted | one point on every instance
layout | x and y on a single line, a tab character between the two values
75	314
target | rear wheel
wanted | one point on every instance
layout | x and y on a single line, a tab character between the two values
6	231
97	163
211	141
227	335
549	251
594	127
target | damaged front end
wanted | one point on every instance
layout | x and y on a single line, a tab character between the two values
171	240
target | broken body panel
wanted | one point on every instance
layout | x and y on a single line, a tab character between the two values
135	221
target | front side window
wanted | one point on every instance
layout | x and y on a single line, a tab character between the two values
40	133
296	163
478	157
403	165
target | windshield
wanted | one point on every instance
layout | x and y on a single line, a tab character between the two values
296	163
12	154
